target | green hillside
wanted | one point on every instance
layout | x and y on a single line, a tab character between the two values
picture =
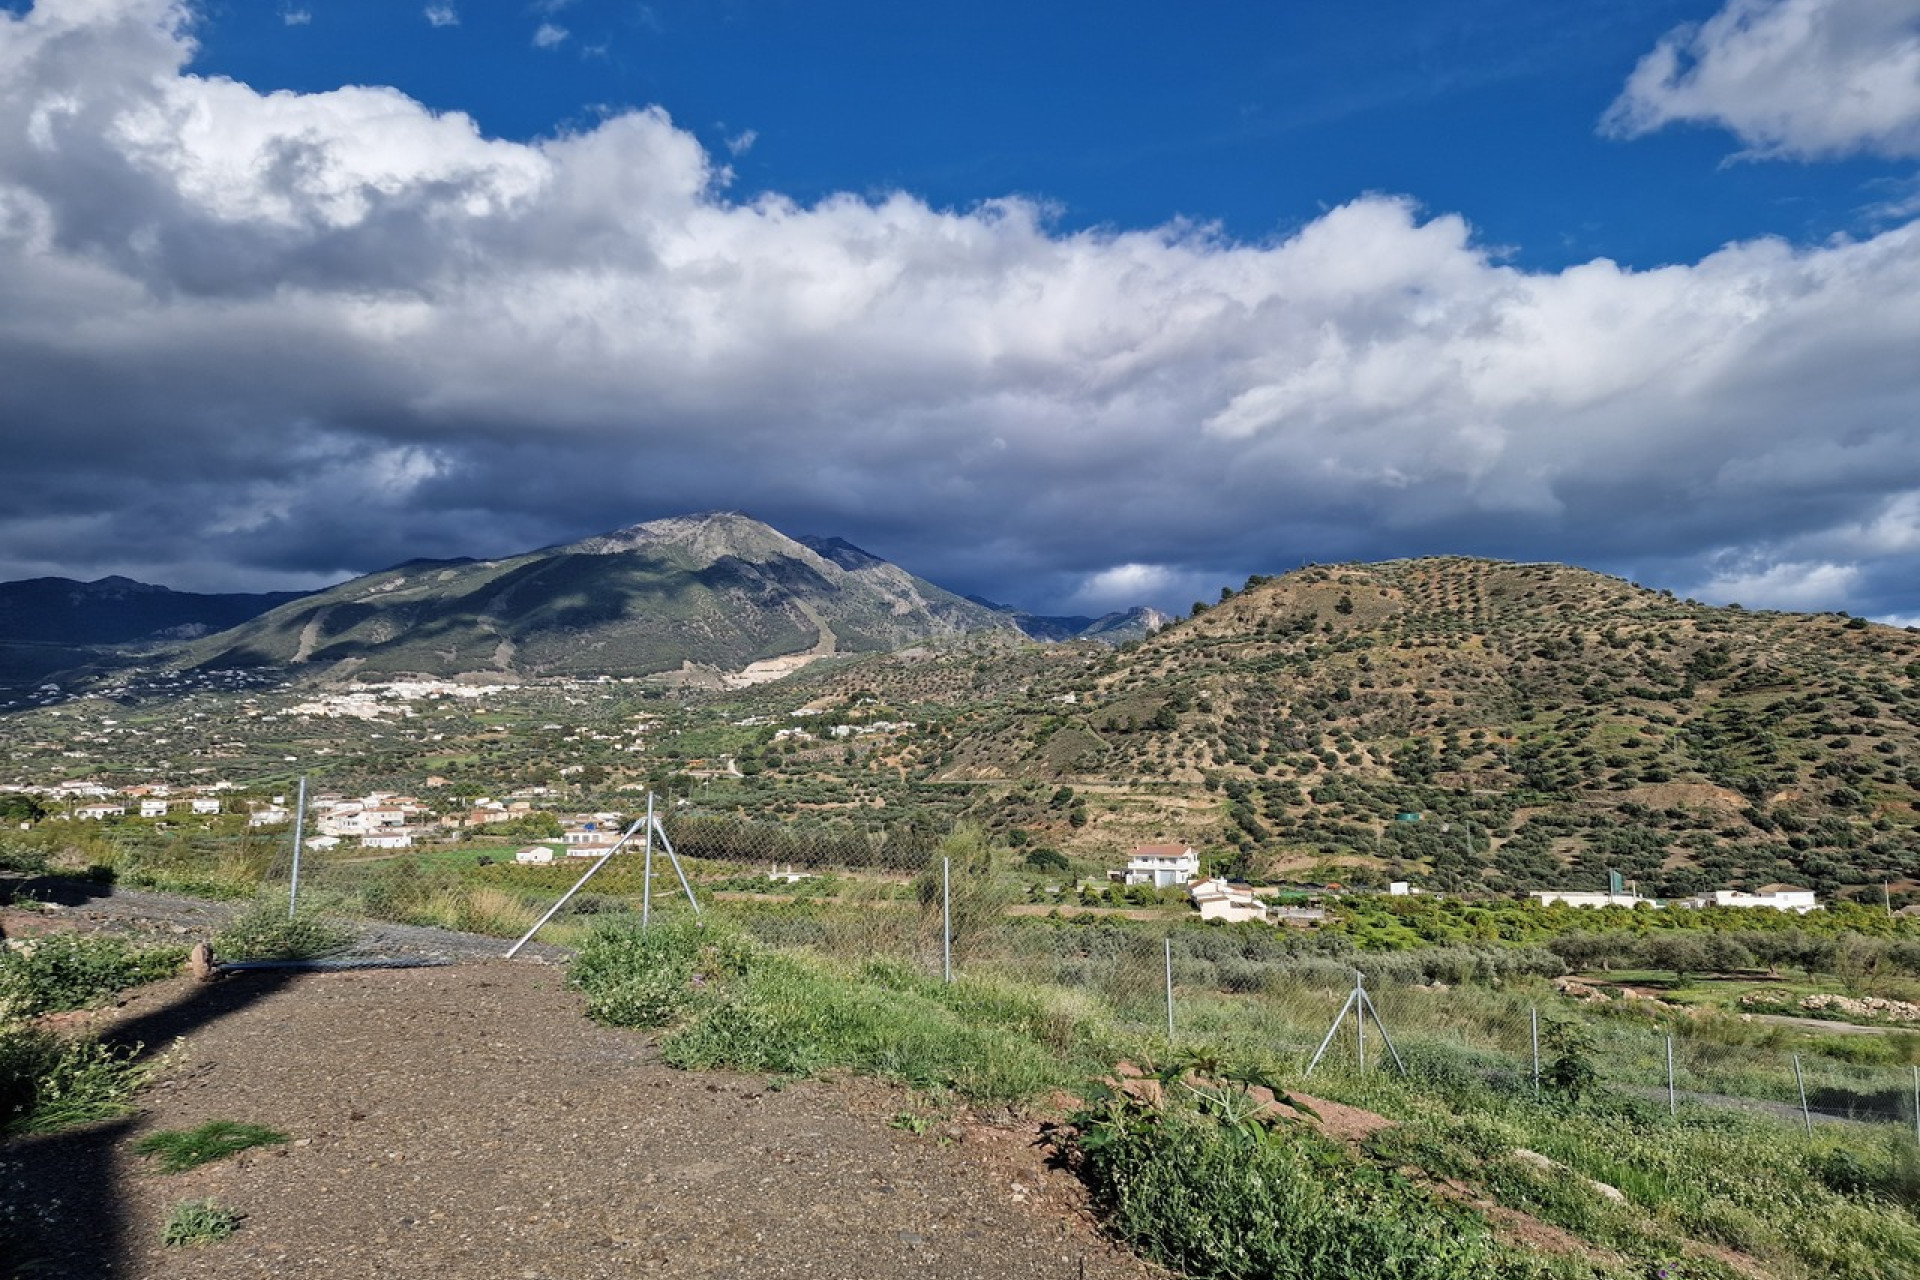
1538	724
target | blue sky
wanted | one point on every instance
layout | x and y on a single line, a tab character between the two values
1255	117
1076	307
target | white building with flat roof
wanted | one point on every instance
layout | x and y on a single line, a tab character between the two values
1582	898
1775	897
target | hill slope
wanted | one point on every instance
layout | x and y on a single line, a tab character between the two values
1534	723
717	590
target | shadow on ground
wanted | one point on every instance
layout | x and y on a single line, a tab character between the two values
61	1194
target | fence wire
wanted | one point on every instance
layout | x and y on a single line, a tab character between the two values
951	905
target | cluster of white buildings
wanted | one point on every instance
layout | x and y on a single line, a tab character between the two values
91	802
1773	897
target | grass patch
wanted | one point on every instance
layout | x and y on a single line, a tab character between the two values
177	1150
723	1000
199	1222
1209	1187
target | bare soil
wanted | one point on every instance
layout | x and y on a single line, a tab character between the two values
467	1122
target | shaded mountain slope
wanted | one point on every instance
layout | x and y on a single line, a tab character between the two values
718	590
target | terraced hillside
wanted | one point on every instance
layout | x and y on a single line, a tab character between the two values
1483	723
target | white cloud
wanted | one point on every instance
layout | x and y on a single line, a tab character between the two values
314	330
1794	78
296	17
1123	586
741	143
442	15
549	36
1791	585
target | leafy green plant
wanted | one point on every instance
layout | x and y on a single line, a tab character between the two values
1569	1069
47	1082
266	932
1217	1194
177	1150
199	1222
649	977
71	971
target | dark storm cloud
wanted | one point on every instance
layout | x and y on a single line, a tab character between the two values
252	340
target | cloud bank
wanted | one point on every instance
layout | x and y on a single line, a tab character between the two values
1806	79
252	339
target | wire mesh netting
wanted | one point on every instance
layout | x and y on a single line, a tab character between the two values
950	904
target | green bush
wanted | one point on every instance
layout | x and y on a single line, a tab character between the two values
1214	1196
17	855
59	971
266	932
47	1082
651	976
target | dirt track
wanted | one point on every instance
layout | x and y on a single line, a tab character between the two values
467	1122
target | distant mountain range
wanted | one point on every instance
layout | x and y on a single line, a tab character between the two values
48	625
710	598
1119	627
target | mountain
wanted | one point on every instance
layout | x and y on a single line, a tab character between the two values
1479	724
49	625
715	593
1119	627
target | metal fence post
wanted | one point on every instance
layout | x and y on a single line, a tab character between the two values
1671	1109
1800	1080
1534	1017
1359	1023
1916	1104
1169	948
946	919
299	835
646	871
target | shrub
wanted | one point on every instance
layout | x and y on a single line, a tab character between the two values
47	1083
71	971
1214	1196
266	932
649	977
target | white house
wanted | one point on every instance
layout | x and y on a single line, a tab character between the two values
534	855
206	804
1582	898
273	815
1161	865
1219	900
95	812
387	838
1778	897
153	808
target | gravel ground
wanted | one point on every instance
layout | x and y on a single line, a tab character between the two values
467	1121
90	906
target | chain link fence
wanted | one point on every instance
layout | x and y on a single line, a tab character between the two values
953	906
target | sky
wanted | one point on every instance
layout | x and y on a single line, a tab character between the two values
1072	306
